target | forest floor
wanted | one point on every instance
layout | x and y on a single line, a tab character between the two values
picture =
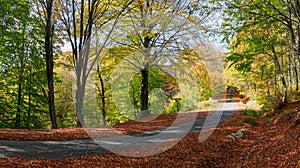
266	142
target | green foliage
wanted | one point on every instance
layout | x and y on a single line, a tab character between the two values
172	107
22	68
23	82
64	104
164	94
115	117
261	60
157	79
253	113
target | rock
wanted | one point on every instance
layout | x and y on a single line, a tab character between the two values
239	134
231	138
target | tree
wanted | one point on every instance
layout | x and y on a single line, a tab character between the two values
49	30
274	25
22	71
79	19
159	30
44	11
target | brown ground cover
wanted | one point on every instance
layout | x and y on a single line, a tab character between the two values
130	127
272	144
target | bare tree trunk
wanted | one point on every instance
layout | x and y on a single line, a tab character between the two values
298	56
79	103
275	84
144	92
297	11
296	75
20	88
82	64
102	97
49	63
295	53
18	115
275	58
295	47
29	99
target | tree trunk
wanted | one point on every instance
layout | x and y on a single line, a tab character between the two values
49	64
102	97
275	83
79	103
81	65
103	100
298	56
82	75
29	99
144	92
295	53
284	97
296	75
18	115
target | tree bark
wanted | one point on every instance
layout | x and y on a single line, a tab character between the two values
29	99
49	63
144	92
102	97
79	103
81	65
295	53
103	100
275	58
18	115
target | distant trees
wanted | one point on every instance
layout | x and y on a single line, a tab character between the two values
64	99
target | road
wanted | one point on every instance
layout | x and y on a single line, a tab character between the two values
88	147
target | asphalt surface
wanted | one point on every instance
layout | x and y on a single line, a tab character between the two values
88	147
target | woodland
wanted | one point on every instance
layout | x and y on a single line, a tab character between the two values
72	64
50	50
40	77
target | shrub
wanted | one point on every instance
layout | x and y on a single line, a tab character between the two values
172	107
253	113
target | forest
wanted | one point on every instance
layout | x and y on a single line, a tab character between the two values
65	64
74	73
61	60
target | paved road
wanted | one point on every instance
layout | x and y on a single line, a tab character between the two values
88	147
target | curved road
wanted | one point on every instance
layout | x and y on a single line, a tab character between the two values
88	147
